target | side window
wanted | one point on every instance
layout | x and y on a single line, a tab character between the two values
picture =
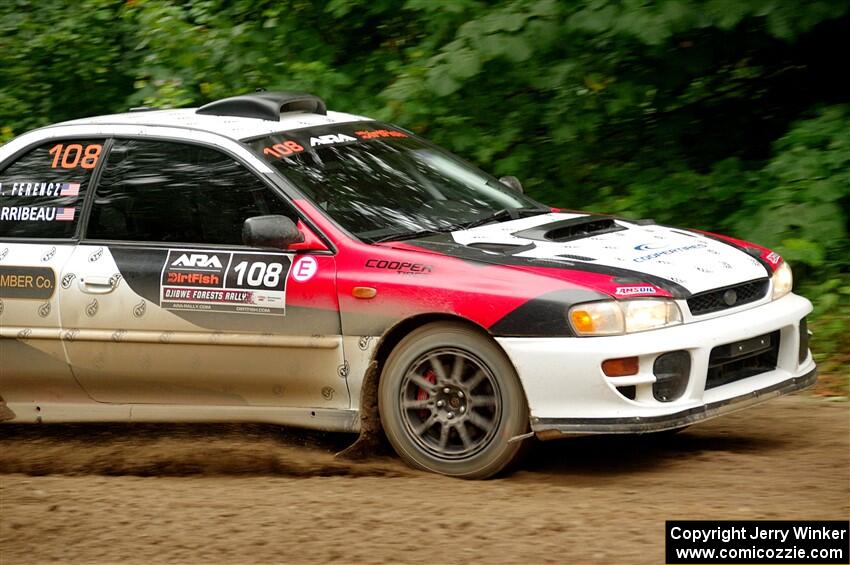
41	193
173	192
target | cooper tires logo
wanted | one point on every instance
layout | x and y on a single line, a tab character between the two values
648	247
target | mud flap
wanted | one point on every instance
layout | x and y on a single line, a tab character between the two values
5	412
371	440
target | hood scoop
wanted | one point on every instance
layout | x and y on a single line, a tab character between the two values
571	229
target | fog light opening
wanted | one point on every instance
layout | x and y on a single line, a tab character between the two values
672	372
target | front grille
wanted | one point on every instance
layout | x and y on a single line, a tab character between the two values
728	297
735	361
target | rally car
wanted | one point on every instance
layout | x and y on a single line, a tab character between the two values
263	259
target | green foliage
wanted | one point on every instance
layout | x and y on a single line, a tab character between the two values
719	114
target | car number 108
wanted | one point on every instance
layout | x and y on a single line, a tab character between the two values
258	273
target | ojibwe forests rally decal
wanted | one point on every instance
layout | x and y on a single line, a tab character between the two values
238	283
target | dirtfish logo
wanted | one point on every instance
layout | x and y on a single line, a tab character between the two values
197	260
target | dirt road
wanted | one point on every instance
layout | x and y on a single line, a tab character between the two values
251	494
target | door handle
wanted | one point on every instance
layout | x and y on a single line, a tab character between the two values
96	285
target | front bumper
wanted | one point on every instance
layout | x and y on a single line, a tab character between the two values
550	428
568	393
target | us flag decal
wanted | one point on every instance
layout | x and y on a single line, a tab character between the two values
70	189
65	214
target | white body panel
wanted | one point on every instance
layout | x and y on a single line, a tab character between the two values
563	377
696	262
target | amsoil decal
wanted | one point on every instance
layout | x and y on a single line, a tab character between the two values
633	290
238	283
36	283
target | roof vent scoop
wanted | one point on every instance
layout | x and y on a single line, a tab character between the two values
265	105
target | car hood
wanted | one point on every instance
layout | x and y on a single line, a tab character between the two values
693	262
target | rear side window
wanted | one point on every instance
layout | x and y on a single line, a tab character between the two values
41	193
172	192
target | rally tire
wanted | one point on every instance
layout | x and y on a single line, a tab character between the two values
450	400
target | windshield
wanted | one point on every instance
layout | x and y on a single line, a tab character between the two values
381	183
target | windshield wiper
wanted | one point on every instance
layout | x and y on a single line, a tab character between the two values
501	215
413	234
504	214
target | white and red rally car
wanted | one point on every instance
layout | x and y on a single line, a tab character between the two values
262	259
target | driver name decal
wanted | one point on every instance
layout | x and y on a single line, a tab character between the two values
37	214
236	283
36	189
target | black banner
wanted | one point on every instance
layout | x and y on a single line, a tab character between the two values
756	541
35	283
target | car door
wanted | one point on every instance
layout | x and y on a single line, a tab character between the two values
168	306
41	195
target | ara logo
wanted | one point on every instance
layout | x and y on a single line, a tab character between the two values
197	260
330	139
648	247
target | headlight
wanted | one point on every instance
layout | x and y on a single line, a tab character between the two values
612	317
782	280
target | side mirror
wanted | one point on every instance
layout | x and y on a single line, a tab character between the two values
512	182
270	231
